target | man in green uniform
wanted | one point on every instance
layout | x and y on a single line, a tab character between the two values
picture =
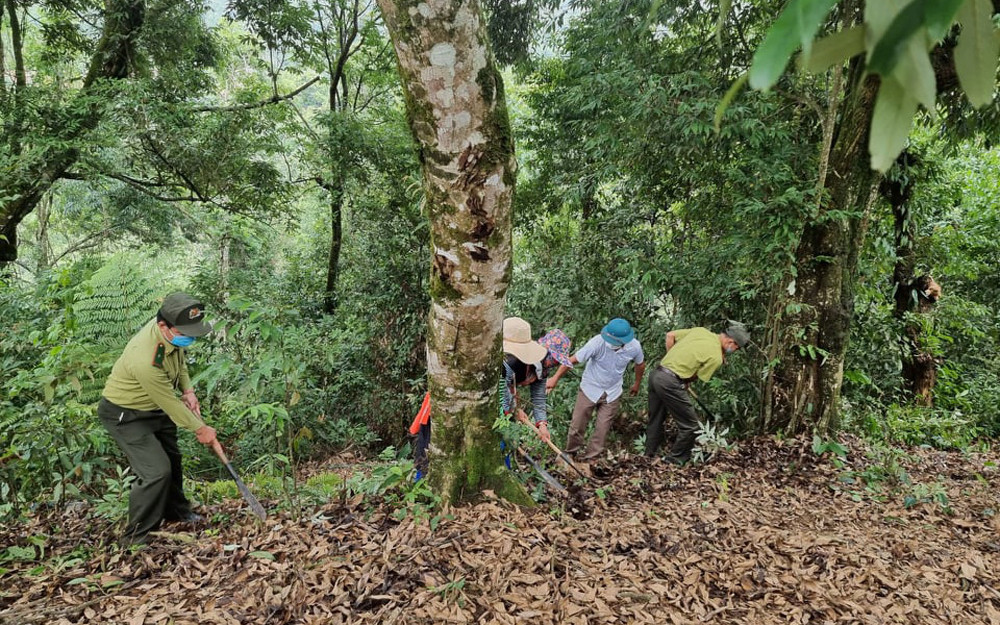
696	352
141	410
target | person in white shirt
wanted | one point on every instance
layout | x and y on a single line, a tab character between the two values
607	355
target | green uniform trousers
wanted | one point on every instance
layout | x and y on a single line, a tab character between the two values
149	440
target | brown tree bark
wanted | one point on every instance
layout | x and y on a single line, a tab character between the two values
812	324
330	297
913	294
811	327
457	113
34	174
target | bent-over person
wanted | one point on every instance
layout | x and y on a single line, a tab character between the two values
141	409
692	353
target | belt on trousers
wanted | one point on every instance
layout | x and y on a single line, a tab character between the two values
673	373
665	370
132	412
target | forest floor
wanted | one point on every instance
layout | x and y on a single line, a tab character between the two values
768	533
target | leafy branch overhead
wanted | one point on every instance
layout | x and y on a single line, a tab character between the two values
896	38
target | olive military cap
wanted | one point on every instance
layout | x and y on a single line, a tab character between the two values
185	313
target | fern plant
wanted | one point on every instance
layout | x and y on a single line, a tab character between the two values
116	301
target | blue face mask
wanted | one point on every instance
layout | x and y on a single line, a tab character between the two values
730	349
182	341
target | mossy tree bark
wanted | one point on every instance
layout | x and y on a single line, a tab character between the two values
38	161
811	327
458	116
802	392
914	295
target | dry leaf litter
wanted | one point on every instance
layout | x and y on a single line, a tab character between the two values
766	534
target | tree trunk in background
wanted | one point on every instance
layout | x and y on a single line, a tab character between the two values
458	116
42	245
912	293
32	174
336	241
340	38
812	327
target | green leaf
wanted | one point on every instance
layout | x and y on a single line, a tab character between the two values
727	99
891	122
916	72
818	446
796	26
834	49
938	17
976	53
263	555
890	46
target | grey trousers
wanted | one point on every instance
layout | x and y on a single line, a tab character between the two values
582	411
149	440
667	393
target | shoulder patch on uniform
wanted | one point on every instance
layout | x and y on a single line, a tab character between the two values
158	356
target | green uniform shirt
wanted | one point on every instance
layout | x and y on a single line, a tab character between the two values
695	351
148	375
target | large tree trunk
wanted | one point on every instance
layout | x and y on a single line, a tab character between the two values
813	325
457	112
48	158
912	294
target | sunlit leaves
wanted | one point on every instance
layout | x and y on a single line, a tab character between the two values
977	52
892	39
891	122
939	15
899	54
834	49
896	36
796	27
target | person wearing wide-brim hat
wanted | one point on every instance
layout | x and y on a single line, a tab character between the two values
141	409
692	353
522	366
607	355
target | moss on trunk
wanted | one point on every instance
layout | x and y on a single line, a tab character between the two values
454	101
802	392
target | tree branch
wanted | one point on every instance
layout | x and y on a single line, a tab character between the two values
255	105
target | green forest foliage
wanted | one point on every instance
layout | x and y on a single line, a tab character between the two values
628	204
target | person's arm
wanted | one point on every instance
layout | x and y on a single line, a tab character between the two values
191	401
155	382
551	382
538	401
187	390
671	339
706	371
640	369
539	408
507	401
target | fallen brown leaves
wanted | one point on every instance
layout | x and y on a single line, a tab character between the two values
767	534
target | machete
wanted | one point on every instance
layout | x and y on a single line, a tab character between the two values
551	481
255	506
523	418
703	407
